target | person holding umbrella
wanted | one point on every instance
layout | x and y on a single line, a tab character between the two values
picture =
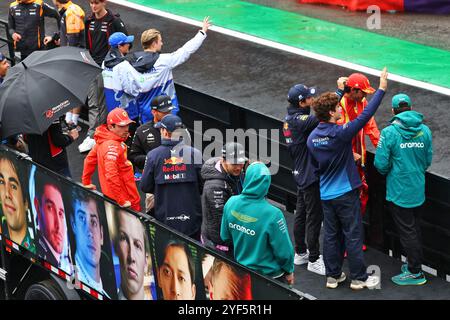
37	92
49	148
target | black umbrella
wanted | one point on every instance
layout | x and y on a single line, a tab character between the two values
43	87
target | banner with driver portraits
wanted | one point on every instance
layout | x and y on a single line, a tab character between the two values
109	252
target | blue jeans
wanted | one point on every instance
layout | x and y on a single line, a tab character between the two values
343	231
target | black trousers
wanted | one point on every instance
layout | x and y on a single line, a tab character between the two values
407	221
308	220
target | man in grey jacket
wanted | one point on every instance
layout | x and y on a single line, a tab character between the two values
223	178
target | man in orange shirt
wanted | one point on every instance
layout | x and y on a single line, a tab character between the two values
354	91
115	171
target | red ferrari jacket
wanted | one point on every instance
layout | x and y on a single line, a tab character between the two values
115	171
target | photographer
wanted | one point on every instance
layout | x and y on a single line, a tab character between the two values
49	149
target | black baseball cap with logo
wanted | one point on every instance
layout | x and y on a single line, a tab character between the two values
162	103
234	153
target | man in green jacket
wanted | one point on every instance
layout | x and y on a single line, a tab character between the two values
257	229
404	153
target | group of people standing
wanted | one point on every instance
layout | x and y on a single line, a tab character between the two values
214	202
329	153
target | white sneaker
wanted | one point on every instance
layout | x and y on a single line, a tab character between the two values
86	145
370	283
300	259
317	267
332	283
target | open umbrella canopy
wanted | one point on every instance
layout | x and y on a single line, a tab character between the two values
44	87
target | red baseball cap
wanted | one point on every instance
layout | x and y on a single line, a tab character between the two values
119	117
360	81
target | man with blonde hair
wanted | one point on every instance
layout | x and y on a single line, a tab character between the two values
147	74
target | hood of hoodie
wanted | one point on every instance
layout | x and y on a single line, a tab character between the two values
143	61
113	58
102	134
209	171
257	181
408	123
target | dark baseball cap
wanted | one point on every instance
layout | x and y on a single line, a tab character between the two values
2	56
162	103
300	92
170	122
234	153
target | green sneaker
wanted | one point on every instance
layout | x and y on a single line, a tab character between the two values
409	279
404	268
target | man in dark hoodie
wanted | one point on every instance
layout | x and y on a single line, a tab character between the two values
172	174
404	153
223	178
99	26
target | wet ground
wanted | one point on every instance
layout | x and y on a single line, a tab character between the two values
427	29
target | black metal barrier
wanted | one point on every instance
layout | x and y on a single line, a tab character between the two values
87	241
380	231
6	40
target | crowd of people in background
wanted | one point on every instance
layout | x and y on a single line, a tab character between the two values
136	140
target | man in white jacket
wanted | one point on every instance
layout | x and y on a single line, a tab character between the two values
148	73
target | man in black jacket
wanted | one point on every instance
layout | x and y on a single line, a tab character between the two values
223	178
49	149
147	137
298	124
26	24
99	26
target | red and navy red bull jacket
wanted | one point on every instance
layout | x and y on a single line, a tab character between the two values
331	146
172	174
298	124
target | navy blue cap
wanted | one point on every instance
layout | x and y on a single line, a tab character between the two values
2	56
170	122
300	92
119	38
